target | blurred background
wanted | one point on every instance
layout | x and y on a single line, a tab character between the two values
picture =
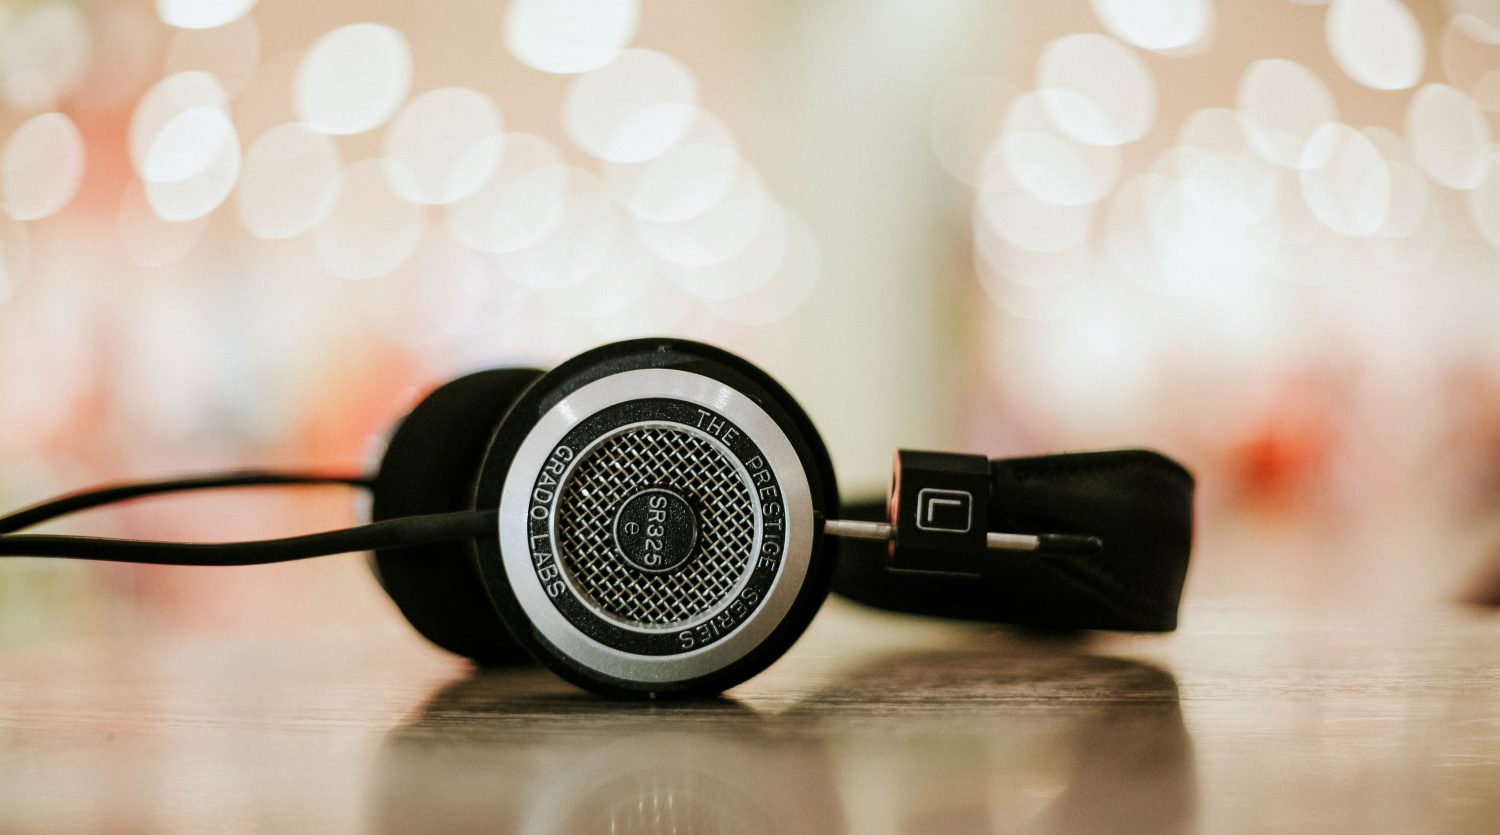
1261	236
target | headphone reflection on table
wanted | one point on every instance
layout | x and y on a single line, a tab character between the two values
659	518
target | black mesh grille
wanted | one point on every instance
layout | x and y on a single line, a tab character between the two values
656	455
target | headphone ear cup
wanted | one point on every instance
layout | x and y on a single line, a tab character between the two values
430	465
660	501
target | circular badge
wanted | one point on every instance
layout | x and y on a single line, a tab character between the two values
655	530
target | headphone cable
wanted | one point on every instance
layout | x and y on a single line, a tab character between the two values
75	502
391	533
411	530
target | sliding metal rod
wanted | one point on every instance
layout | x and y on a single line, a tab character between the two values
1046	543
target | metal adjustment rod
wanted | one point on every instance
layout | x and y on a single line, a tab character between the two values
1060	544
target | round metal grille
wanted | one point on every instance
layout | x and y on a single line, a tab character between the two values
645	456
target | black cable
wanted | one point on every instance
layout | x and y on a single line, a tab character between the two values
74	502
412	530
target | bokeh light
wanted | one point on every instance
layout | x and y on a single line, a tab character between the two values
1232	189
443	145
569	36
183	184
524	199
1410	191
1449	136
289	182
353	78
789	279
1096	90
1030	285
1486	11
1220	173
633	109
1162	25
684	181
1345	180
201	14
187	145
578	246
164	102
41	166
1286	103
1022	219
600	294
1377	42
1470	55
715	235
747	270
1410	195
1050	165
1204	240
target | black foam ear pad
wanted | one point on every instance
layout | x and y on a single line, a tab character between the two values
430	466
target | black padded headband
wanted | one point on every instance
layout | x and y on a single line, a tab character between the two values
1138	502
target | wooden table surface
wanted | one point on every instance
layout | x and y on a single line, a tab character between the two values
1246	719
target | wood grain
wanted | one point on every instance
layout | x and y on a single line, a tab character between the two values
1247	719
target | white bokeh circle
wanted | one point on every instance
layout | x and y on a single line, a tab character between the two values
578	246
1376	42
683	182
1449	136
41	166
632	109
1469	52
289	182
1096	90
715	235
1160	25
187	145
1345	181
569	36
1021	218
443	145
524	199
207	175
201	14
1285	104
353	78
165	101
1048	163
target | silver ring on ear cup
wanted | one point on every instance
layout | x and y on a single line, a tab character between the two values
715	480
712	611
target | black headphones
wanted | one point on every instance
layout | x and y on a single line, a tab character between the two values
659	517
